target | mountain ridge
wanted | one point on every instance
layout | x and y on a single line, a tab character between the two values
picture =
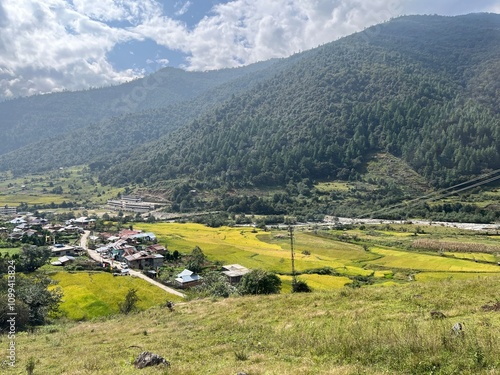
347	99
422	88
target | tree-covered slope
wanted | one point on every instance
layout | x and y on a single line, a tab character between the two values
113	139
28	120
424	88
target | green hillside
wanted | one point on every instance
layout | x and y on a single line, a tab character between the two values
372	330
28	120
422	88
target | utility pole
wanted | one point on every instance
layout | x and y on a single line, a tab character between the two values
294	277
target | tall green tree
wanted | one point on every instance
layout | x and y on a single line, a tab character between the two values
33	257
34	300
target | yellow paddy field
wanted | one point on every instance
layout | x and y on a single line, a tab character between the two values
270	250
89	295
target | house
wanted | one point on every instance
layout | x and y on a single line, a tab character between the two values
143	259
18	220
62	261
187	279
157	248
234	272
61	250
141	237
128	233
8	211
122	251
81	222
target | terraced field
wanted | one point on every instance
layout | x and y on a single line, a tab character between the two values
425	262
347	253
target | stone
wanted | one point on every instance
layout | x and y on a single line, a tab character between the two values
146	359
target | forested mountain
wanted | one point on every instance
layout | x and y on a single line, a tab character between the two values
42	117
423	88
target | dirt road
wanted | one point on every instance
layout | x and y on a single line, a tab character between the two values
97	257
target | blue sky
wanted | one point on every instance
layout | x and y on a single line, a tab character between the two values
54	45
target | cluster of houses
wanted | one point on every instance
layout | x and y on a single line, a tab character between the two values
30	225
129	248
140	250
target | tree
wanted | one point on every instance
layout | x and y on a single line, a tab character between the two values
130	302
215	284
196	261
33	257
259	282
34	301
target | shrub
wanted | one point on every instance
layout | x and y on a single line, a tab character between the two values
300	286
259	282
130	302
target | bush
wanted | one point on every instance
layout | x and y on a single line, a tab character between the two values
259	282
130	302
301	286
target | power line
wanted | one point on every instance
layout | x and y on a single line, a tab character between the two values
439	194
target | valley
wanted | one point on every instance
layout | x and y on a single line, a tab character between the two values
336	211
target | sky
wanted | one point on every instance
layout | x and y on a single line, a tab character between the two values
55	45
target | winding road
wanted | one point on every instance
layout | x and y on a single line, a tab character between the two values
95	256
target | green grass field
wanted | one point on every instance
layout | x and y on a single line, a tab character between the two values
374	330
77	183
333	186
270	250
10	250
90	295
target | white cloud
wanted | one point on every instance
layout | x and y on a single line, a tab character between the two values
51	45
132	11
184	8
245	31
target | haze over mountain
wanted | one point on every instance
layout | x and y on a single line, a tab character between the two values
424	88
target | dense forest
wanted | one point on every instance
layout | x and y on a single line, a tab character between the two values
424	88
95	113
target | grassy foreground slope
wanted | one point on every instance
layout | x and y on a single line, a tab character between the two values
363	331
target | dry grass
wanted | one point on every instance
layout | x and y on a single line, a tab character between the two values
457	247
364	331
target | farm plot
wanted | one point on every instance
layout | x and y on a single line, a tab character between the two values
473	256
90	295
320	282
436	276
425	262
255	249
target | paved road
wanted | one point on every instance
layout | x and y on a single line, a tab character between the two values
97	257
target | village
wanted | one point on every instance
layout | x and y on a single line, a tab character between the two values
77	244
